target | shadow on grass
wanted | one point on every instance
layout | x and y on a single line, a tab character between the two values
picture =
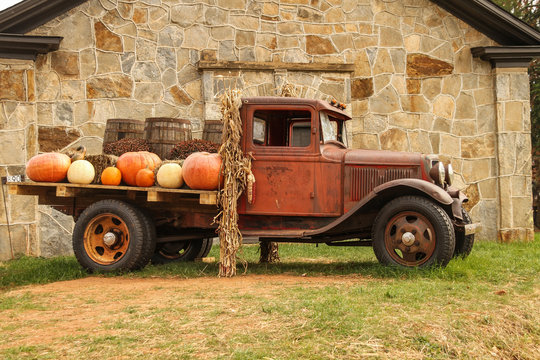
489	261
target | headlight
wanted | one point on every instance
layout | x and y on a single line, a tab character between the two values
449	178
437	173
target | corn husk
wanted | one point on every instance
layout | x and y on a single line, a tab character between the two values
236	168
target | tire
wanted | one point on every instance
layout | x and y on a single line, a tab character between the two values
209	243
149	235
124	247
179	251
427	238
464	243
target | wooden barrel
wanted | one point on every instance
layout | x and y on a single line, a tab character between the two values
162	134
212	131
117	129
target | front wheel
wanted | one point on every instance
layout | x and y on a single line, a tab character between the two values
412	231
111	235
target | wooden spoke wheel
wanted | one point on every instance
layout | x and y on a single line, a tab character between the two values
413	231
113	235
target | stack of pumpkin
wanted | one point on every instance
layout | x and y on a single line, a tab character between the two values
200	170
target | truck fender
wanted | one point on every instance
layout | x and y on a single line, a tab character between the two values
388	190
435	192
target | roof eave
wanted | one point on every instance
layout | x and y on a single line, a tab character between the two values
507	56
29	14
13	46
493	21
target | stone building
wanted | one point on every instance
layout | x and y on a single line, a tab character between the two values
447	77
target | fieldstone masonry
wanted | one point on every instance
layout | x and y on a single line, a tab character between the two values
403	67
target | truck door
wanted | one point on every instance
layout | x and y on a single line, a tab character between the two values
285	145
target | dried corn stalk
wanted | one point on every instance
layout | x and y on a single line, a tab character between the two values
236	169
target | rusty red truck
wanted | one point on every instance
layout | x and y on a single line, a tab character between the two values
310	188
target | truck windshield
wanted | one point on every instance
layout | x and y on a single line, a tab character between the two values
333	129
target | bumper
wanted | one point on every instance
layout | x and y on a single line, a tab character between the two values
471	229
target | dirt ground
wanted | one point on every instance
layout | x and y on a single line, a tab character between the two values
70	308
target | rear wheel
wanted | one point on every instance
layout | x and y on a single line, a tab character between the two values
110	235
412	231
187	250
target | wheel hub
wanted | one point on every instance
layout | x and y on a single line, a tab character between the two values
408	238
109	239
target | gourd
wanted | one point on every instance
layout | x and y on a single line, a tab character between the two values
170	176
111	176
130	163
48	167
201	171
145	178
81	172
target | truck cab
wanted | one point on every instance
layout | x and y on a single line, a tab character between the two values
311	187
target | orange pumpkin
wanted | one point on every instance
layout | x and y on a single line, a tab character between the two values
130	163
145	178
111	176
201	171
49	167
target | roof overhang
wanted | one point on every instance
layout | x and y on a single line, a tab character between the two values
29	14
26	47
507	56
493	21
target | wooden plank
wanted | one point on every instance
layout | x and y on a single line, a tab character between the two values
64	191
112	187
208	199
131	194
270	65
154	196
14	189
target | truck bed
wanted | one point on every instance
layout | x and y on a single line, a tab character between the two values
69	197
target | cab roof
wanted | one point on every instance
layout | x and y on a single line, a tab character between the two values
289	101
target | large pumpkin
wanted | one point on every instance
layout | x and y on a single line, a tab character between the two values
201	171
49	167
130	163
81	172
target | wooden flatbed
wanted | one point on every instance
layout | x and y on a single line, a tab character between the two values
80	196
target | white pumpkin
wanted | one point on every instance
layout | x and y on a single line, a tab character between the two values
170	176
81	172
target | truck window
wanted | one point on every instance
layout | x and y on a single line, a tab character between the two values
332	129
291	128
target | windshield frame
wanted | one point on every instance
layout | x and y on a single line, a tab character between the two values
329	132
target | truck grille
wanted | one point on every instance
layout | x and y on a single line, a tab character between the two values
364	180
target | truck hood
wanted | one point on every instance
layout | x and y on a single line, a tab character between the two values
370	157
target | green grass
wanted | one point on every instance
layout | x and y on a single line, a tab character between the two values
489	261
337	303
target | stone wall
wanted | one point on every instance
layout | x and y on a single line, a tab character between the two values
18	144
413	84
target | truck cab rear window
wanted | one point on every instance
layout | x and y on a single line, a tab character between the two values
291	128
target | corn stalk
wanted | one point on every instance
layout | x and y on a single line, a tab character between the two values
236	169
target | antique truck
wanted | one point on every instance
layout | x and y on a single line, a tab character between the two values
310	188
